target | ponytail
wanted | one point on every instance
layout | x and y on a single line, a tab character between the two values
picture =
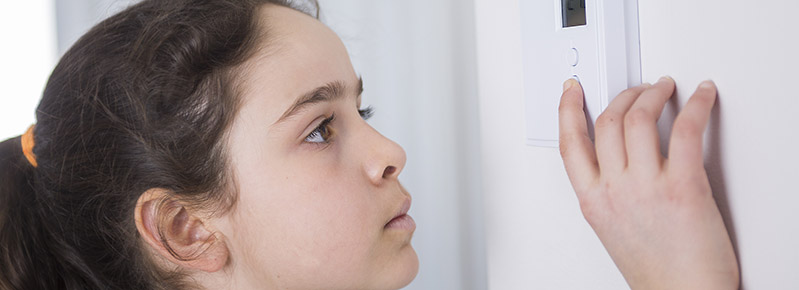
21	240
32	256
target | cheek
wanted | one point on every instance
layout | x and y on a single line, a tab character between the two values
309	222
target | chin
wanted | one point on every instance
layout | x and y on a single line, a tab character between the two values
406	270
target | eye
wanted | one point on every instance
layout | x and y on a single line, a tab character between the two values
322	133
367	112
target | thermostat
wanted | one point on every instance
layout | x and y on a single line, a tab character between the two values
593	41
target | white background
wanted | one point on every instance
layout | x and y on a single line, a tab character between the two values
536	236
27	55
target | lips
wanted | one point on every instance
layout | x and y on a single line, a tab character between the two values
402	221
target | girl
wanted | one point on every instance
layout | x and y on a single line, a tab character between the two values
220	144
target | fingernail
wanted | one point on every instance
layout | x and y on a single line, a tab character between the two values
569	84
708	84
646	85
665	78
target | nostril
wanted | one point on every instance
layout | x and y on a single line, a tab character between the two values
389	171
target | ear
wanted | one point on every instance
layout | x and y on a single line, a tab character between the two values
177	234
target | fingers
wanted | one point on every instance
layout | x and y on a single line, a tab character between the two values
642	139
685	148
576	147
627	133
610	148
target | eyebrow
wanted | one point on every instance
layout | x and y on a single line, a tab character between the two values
330	92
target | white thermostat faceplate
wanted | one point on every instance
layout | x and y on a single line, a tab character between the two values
594	41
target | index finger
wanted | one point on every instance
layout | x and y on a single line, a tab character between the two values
576	147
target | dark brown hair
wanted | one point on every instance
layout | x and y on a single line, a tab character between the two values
143	100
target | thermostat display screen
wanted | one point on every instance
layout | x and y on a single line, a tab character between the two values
573	12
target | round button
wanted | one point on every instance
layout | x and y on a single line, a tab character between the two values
574	57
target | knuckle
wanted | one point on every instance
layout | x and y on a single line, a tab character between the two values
630	91
588	208
565	145
688	191
607	119
684	129
638	116
633	91
564	150
594	202
568	142
565	105
562	108
591	209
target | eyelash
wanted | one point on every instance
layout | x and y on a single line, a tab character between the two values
367	112
324	130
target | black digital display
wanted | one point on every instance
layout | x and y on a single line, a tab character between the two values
573	13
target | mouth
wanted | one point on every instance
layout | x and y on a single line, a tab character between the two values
402	221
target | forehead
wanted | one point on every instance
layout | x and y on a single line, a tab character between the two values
296	54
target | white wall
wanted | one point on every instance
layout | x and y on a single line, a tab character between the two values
27	55
749	49
75	17
536	237
35	34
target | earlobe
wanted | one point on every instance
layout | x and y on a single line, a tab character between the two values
177	234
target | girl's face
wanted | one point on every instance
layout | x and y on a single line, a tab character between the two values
317	186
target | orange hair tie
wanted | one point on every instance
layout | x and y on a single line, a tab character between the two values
27	146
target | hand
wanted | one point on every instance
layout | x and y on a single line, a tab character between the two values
656	216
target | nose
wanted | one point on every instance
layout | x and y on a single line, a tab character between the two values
384	160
